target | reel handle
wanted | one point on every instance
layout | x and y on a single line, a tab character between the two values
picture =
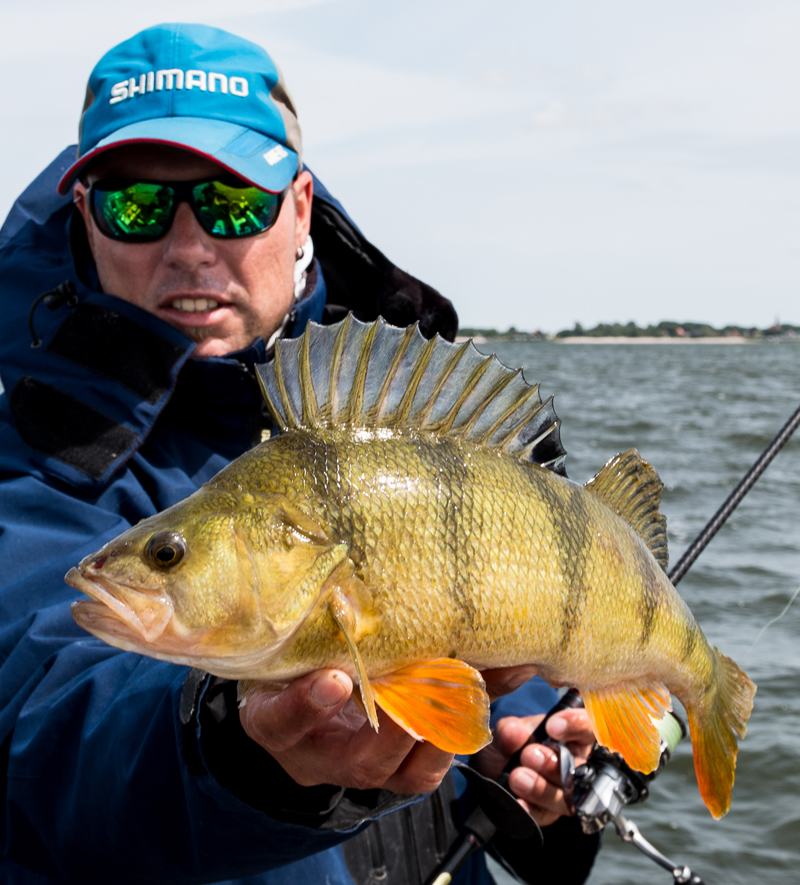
570	700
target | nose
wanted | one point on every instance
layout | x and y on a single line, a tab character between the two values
186	244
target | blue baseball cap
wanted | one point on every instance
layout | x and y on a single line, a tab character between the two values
196	88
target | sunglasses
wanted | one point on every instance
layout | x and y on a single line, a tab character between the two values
134	211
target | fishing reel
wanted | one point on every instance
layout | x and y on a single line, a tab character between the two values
600	788
605	783
597	791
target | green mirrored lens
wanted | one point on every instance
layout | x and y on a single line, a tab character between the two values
227	211
138	210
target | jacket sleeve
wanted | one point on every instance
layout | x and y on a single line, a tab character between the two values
96	787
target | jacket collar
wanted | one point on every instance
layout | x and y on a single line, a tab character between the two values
84	402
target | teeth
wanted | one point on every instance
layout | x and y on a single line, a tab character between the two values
194	305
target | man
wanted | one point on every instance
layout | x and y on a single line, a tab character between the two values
184	230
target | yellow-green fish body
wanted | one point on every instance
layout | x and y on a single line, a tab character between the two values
397	527
457	571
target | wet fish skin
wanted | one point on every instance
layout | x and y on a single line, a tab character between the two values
409	509
373	548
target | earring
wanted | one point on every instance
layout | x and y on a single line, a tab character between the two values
300	253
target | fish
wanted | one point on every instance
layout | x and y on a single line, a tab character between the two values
412	524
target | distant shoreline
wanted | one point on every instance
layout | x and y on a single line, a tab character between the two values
665	332
646	339
621	339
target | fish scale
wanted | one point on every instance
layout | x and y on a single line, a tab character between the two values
411	524
483	620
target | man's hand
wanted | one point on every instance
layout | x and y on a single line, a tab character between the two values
537	781
319	736
504	680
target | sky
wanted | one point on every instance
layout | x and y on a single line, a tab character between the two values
539	163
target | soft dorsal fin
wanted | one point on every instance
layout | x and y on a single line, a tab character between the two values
373	375
632	489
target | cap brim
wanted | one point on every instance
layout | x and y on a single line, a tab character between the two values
250	154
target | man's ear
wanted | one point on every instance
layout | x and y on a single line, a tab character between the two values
80	197
303	194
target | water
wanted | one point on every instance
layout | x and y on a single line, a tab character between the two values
701	414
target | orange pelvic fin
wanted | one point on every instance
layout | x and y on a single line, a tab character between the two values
622	720
443	701
714	730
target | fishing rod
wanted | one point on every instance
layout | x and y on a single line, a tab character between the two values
732	501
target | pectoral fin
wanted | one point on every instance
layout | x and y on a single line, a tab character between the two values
347	620
443	701
622	720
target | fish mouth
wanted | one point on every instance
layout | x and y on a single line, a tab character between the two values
144	614
148	628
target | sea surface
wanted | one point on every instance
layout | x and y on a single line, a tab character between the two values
702	415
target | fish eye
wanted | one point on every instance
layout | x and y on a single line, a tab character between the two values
166	549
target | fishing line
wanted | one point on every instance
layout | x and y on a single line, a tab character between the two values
773	621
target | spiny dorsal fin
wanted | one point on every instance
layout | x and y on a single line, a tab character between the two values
632	489
373	375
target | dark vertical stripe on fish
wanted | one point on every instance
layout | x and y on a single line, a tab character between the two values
652	596
573	551
647	612
690	639
452	474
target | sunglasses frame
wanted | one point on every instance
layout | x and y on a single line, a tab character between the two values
183	193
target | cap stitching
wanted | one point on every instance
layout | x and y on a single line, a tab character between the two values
172	64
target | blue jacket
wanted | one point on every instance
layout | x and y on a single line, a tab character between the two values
106	422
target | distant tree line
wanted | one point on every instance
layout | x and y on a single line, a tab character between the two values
511	334
669	329
665	329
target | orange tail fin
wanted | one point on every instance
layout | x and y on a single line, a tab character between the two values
714	729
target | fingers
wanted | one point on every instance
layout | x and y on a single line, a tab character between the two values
508	736
278	721
371	757
537	780
537	783
421	771
504	680
317	737
389	759
571	727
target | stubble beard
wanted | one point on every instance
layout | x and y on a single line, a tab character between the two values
198	334
244	338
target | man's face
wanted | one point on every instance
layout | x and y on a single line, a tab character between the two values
222	293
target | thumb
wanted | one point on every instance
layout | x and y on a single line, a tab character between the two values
571	726
508	736
278	721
